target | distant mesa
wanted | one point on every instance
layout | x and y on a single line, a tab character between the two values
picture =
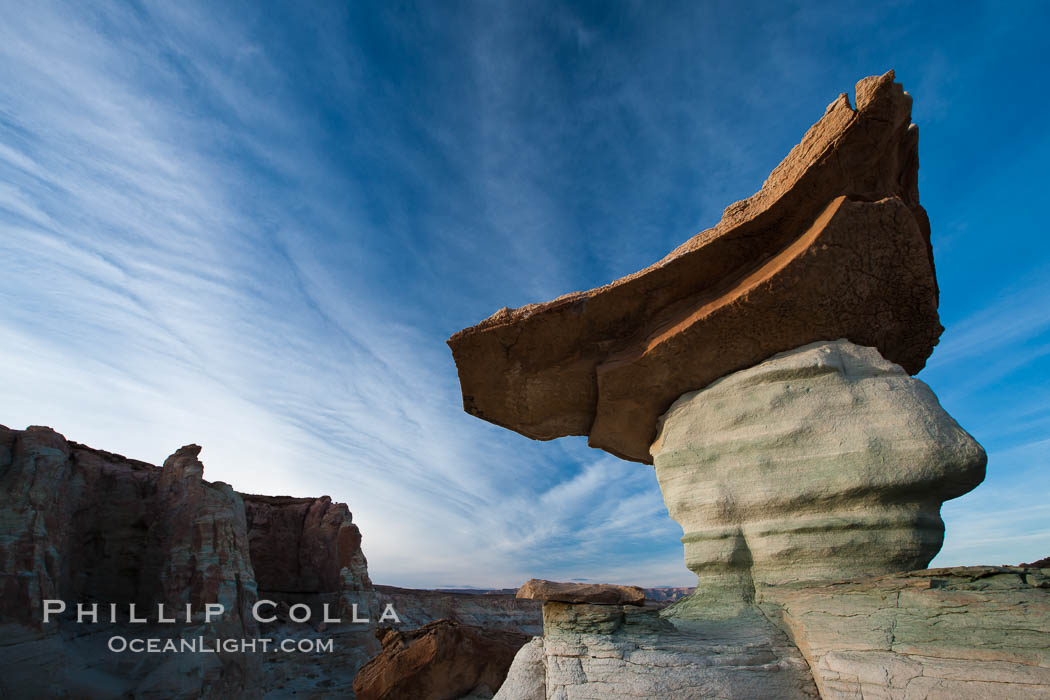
834	245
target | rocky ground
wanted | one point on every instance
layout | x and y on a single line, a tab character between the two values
958	633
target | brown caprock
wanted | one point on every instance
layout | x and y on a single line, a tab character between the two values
834	245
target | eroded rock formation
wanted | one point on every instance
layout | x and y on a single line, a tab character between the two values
196	547
834	245
308	550
964	633
442	660
527	676
86	526
669	594
822	463
627	651
763	367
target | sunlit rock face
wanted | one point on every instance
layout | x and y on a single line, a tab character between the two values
821	463
834	245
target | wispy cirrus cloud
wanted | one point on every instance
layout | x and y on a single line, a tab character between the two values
253	227
983	371
171	279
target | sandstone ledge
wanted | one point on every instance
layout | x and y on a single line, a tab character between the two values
598	593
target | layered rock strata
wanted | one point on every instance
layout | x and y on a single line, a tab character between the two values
626	651
964	633
823	463
669	594
196	547
86	526
834	245
763	368
496	611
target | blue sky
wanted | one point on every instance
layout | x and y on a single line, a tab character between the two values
253	225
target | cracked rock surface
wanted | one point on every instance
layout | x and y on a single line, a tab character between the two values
834	245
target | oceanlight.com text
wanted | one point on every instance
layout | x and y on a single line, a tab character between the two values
200	645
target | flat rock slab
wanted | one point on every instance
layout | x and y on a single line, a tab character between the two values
834	245
597	593
960	633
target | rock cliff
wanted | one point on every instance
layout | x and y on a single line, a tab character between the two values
86	526
307	550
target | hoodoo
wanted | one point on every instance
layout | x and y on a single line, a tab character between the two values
763	367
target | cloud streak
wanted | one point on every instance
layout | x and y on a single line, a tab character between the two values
178	307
